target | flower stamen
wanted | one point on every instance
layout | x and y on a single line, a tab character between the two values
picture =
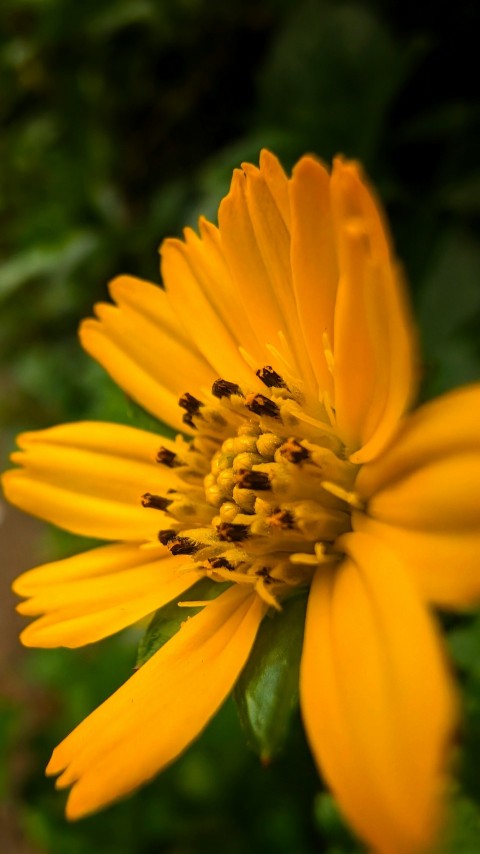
224	388
156	502
270	378
261	405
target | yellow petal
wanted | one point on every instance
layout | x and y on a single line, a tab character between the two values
256	241
375	343
144	348
199	287
438	430
314	261
444	565
277	183
95	563
376	697
92	595
89	478
441	496
162	708
423	500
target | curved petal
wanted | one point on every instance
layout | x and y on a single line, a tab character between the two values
441	429
444	566
169	701
376	697
144	348
204	276
254	230
423	499
200	288
375	344
314	262
89	478
441	496
95	594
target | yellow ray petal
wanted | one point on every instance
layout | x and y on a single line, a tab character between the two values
277	183
273	241
92	564
159	355
89	478
256	242
128	375
314	261
426	487
442	496
207	259
152	302
198	286
145	349
437	430
169	701
375	343
444	565
77	612
376	697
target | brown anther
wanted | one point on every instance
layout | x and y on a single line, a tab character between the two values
190	403
232	533
264	573
247	479
294	452
187	419
224	388
261	405
157	502
270	378
166	536
183	546
167	458
283	519
220	563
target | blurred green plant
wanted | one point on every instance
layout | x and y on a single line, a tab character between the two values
121	123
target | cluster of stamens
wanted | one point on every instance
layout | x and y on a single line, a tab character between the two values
267	487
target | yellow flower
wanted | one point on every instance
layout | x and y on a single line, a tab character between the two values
282	347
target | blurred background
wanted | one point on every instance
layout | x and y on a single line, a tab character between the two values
121	123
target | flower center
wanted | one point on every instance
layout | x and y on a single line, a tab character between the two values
267	487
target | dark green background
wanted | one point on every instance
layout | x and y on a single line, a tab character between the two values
121	122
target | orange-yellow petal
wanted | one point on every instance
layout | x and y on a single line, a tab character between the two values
423	500
441	429
314	262
200	289
444	565
254	231
143	346
96	563
90	596
162	708
375	343
376	697
89	478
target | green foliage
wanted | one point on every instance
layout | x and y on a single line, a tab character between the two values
121	123
267	690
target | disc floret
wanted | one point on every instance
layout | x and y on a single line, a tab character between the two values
268	487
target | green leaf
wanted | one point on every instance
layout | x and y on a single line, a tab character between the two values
464	645
448	301
331	76
47	261
331	823
267	691
167	620
463	827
